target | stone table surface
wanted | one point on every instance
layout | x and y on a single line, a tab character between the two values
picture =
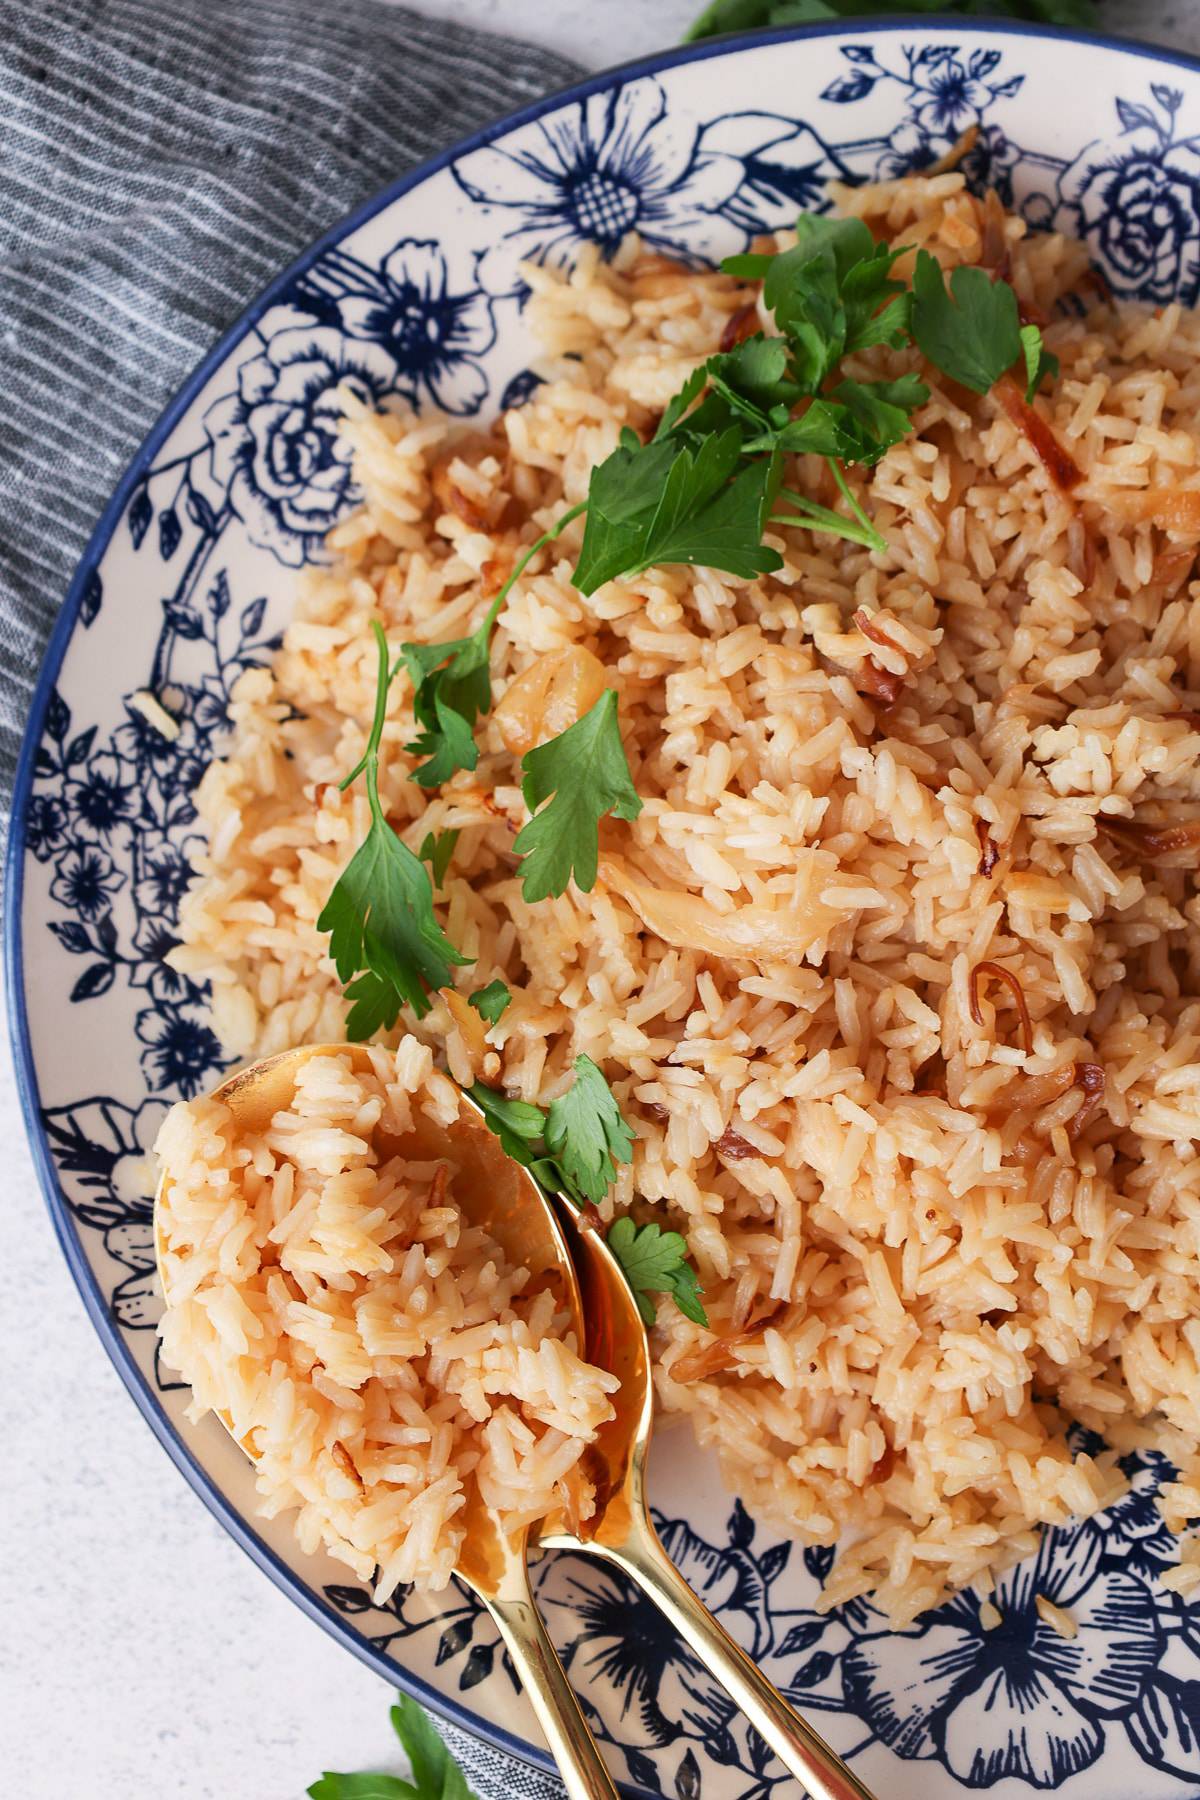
170	1668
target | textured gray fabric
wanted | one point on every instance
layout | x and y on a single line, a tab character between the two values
160	160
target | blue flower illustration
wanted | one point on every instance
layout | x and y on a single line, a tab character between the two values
609	1632
275	450
955	99
102	1148
101	799
46	826
1018	1701
181	1051
1136	202
153	941
612	164
164	873
85	881
424	305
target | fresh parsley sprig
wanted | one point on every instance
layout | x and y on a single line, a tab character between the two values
581	775
435	1774
452	682
384	937
573	1148
655	1261
748	15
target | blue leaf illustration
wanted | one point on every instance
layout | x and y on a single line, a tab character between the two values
932	55
858	53
643	1769
71	935
740	1527
43	763
687	1777
349	1600
219	596
140	514
801	1638
1169	98
1165	1726
77	750
982	63
187	623
772	1562
478	1666
1133	116
169	533
58	716
818	1560
517	392
201	512
252	616
96	979
90	599
814	1671
849	87
1004	90
106	931
456	1637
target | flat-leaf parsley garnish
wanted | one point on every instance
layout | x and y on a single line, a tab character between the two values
570	784
435	1774
655	1262
491	1002
573	1148
384	937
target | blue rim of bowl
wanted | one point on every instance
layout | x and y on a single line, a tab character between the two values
109	1332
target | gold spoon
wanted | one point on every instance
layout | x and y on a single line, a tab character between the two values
503	1197
495	1193
622	1532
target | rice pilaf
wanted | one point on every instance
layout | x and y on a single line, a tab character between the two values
894	805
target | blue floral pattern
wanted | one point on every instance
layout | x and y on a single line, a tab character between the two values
240	492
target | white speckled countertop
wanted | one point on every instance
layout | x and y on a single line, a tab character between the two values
184	1672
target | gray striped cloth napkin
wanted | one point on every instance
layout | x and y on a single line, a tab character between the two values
160	161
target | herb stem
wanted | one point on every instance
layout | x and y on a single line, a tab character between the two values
877	541
369	760
520	567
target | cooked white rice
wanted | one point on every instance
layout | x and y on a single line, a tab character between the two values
372	1350
921	1258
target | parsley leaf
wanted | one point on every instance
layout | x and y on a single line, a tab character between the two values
491	1002
573	1149
654	1261
748	15
436	849
1038	360
380	916
435	1774
586	1134
585	771
971	330
452	682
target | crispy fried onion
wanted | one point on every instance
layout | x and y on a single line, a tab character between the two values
989	851
718	1355
993	971
552	693
1033	1093
1152	842
732	1144
1172	509
1061	467
751	933
870	677
480	512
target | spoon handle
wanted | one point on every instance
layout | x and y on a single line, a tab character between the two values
551	1695
810	1759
